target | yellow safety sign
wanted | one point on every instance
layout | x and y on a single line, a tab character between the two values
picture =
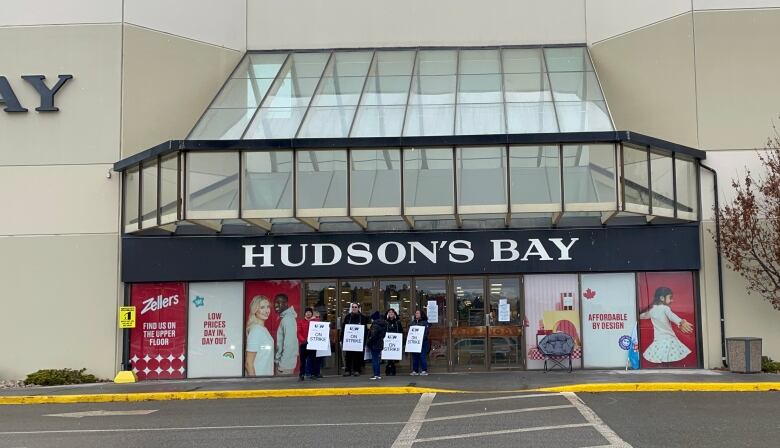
126	317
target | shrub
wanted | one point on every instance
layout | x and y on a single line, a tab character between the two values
56	377
768	365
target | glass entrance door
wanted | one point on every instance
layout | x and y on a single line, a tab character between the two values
321	297
469	329
505	322
397	294
431	297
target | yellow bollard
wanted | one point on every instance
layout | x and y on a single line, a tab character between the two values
125	376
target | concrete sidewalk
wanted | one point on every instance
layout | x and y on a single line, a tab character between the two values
485	382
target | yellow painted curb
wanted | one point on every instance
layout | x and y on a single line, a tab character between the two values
217	394
666	387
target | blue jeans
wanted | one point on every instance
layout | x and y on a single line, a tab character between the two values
419	363
376	360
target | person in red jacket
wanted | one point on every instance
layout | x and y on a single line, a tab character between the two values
307	357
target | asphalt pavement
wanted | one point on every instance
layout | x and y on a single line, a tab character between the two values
450	420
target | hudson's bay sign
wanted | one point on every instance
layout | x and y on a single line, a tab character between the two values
332	255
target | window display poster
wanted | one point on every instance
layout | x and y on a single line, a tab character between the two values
667	320
272	308
608	317
433	312
545	313
215	334
158	342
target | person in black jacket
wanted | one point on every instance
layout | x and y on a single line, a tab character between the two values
393	326
376	342
354	360
419	361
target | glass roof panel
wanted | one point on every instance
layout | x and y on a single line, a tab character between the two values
327	122
410	92
260	65
522	60
439	89
436	62
392	63
567	59
349	63
479	88
244	93
339	91
478	62
379	121
575	86
386	90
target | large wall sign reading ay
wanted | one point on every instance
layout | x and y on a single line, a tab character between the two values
409	253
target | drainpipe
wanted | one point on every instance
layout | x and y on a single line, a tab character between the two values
720	263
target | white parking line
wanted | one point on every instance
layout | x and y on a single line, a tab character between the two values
409	432
193	428
613	439
511	411
511	397
506	431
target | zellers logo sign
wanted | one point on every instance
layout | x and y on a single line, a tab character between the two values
159	302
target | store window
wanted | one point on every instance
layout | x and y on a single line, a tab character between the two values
551	306
608	318
216	329
667	320
272	309
158	342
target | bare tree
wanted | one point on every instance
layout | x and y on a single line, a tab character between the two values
750	227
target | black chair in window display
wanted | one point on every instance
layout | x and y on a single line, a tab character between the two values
556	348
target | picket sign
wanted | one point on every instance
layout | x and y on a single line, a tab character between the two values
392	346
324	353
414	339
319	336
353	338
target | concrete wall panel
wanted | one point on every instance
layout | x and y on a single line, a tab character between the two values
218	23
61	199
59	304
734	4
274	24
739	99
168	82
649	82
86	128
609	18
58	12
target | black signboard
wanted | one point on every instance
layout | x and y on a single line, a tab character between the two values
330	255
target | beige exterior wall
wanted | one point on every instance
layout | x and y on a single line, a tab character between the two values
58	12
610	18
649	80
352	23
86	128
739	100
59	307
167	83
220	23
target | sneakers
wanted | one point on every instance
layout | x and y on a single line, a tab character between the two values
423	373
356	374
375	377
414	373
347	374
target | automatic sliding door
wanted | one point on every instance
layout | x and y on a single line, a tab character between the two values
431	294
470	327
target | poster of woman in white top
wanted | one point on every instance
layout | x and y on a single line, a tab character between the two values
259	359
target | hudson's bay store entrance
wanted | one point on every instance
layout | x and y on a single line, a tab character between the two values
486	186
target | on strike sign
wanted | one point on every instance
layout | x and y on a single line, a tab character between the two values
414	339
318	338
392	347
353	338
